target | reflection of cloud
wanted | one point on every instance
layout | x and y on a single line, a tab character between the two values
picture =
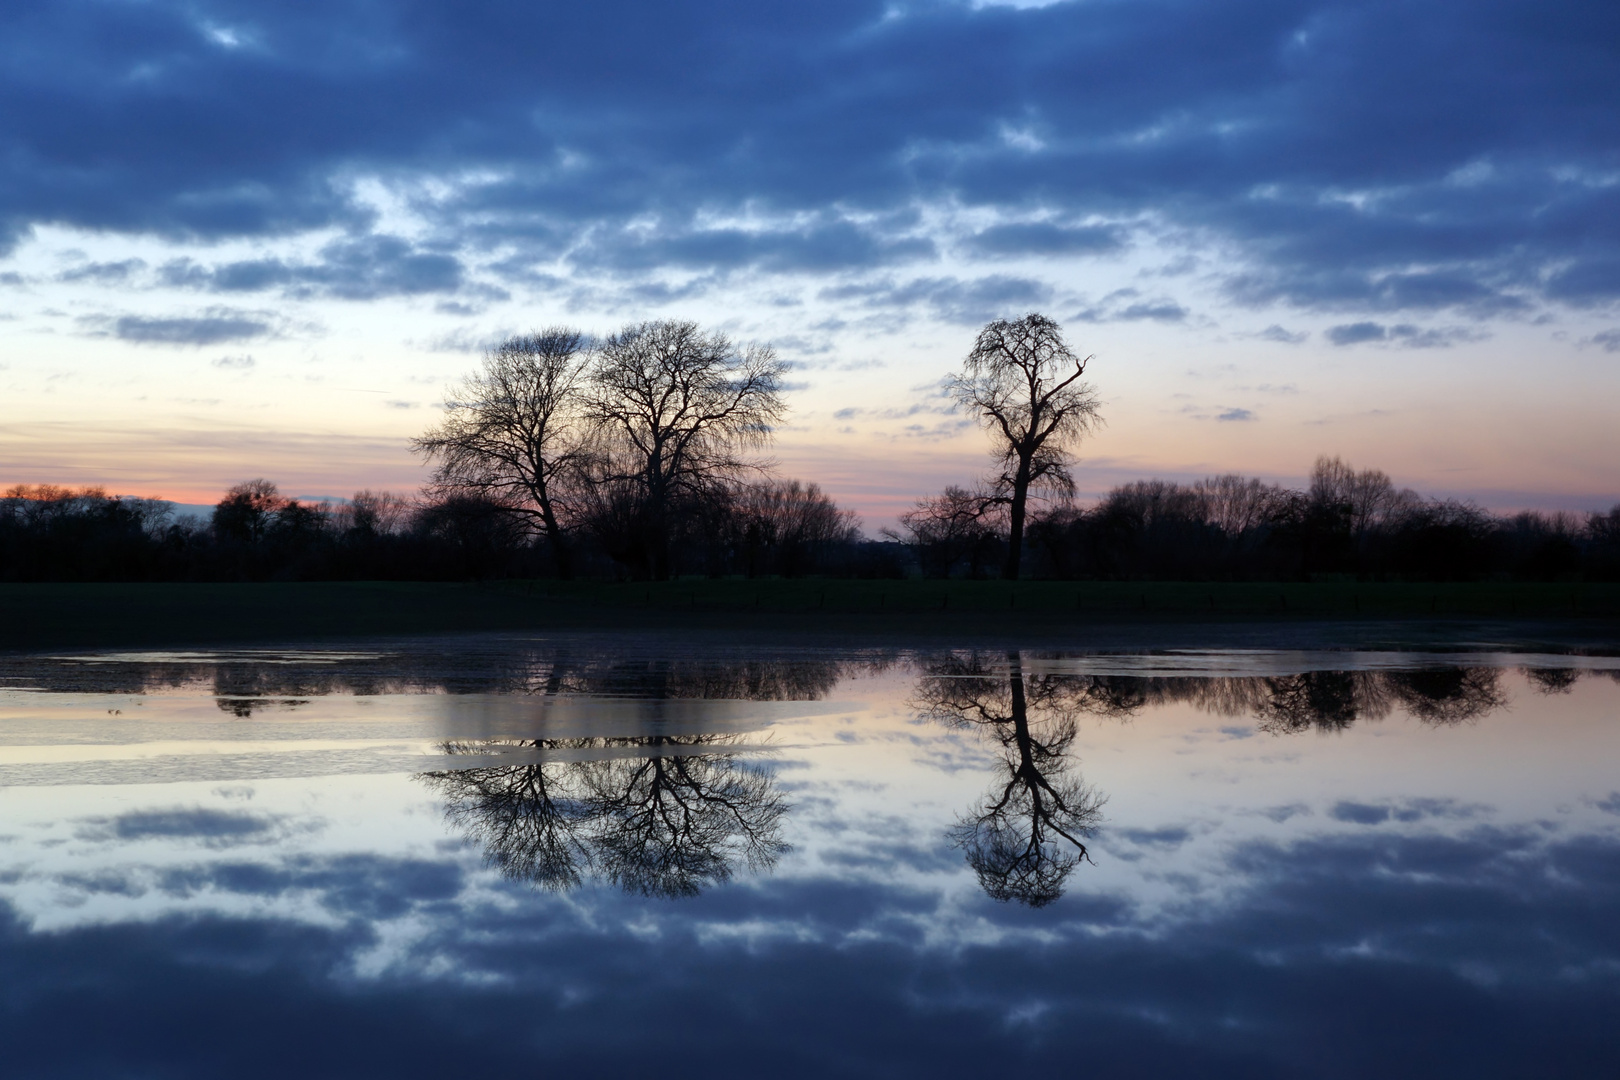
199	822
1336	953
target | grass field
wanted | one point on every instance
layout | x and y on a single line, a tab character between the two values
52	616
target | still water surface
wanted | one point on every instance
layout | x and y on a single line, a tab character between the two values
584	857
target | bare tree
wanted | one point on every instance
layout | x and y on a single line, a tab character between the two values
512	432
792	524
373	513
1023	382
682	409
1235	504
1368	496
947	528
248	510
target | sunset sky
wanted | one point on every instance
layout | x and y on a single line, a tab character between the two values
261	239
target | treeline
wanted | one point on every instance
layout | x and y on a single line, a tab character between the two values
762	528
636	456
632	455
1345	523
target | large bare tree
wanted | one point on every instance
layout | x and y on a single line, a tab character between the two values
1024	384
513	431
681	410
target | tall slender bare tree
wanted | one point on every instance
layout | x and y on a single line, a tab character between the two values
681	410
514	432
1024	384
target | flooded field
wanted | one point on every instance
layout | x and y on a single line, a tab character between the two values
597	856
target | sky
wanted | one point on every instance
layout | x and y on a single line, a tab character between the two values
243	240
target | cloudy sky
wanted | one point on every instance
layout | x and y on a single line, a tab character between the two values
246	239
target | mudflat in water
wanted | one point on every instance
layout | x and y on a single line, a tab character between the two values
594	856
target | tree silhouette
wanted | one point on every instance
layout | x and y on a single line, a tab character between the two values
513	435
1023	383
678	410
658	815
1024	838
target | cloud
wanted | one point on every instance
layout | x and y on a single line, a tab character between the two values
1161	312
1235	415
1609	339
1356	333
968	302
103	273
1404	334
1589	281
354	269
1286	337
1046	239
234	363
1377	157
832	245
215	326
1126	305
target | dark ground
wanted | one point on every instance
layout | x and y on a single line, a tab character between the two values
35	617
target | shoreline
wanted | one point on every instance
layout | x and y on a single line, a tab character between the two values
1100	616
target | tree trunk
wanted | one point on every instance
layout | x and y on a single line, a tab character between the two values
1015	534
560	554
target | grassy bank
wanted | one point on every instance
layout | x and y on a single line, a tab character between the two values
51	616
1063	601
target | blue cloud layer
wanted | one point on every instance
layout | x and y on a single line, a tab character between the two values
1381	156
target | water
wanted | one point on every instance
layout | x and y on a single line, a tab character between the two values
597	857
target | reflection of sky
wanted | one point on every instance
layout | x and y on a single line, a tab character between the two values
1394	897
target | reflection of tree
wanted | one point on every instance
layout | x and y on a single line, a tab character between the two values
527	818
1552	680
455	667
1325	700
674	815
1333	700
1023	839
1287	704
678	822
1448	695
